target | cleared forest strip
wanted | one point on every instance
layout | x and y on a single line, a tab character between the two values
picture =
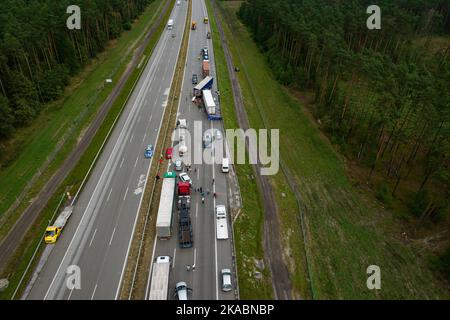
347	230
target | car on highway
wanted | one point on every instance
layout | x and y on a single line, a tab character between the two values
182	123
218	135
169	152
185	178
178	165
181	290
194	79
205	57
207	140
208	35
226	280
149	151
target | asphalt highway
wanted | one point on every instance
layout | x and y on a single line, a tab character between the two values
208	254
98	235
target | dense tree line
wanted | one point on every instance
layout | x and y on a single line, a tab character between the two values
38	53
382	95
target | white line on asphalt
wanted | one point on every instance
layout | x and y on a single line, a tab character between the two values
132	135
112	236
109	194
93	293
174	255
93	236
143	139
196	209
70	294
195	256
125	195
122	162
135	163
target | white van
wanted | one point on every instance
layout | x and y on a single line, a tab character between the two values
225	165
170	24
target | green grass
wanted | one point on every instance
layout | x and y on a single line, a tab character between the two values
347	230
32	239
26	152
248	229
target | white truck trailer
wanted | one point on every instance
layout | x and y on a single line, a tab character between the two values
164	218
159	286
221	222
209	102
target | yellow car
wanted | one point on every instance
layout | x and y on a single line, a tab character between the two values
52	234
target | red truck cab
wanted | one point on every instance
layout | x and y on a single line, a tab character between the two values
184	188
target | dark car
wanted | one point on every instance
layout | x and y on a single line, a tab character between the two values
194	79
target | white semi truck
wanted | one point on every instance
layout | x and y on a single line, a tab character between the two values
159	286
221	222
164	218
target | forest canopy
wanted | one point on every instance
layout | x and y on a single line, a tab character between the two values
382	95
38	53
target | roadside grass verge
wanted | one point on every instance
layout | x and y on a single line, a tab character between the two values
35	152
33	239
346	229
248	228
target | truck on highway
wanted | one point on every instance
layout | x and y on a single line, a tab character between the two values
159	285
209	103
170	24
53	232
205	68
185	227
221	222
205	84
164	217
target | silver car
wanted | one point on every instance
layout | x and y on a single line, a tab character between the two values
181	290
226	280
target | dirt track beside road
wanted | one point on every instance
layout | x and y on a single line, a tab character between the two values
272	240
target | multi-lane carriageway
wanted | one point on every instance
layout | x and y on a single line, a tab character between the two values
208	254
98	236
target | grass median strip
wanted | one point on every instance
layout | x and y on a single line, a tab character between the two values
32	239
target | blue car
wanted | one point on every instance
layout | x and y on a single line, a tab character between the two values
149	151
